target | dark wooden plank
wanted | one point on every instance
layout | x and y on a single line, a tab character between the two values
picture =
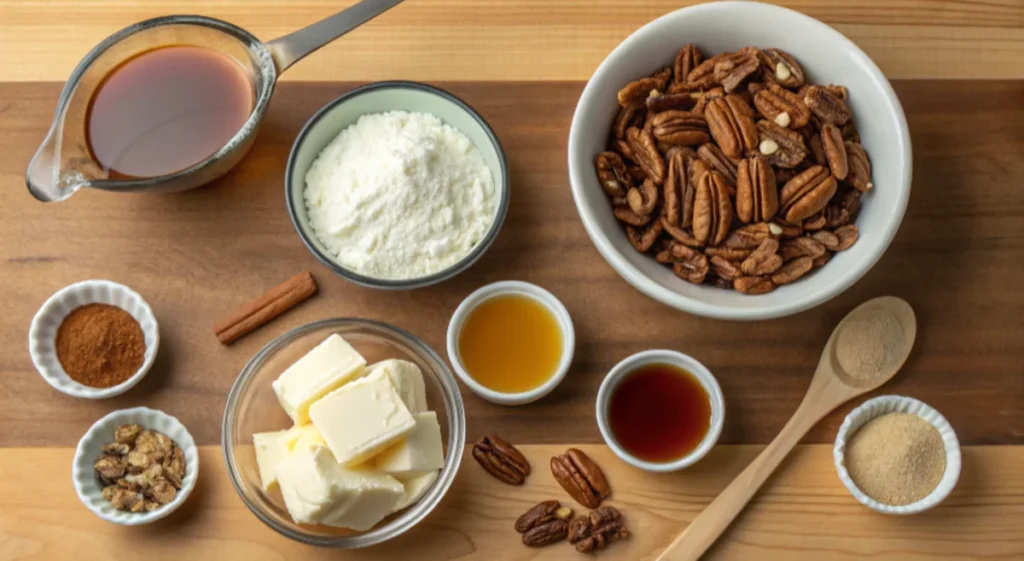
197	255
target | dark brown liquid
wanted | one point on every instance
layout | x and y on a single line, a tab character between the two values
166	110
659	413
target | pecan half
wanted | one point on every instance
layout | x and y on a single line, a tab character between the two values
792	270
501	460
806	194
731	122
597	530
816	221
635	94
712	209
753	285
734	254
680	128
781	67
580	477
678	192
835	150
786	230
751	235
827	239
644	198
732	72
836	216
782	107
860	167
645	154
611	172
817	149
706	98
725	269
801	247
695	169
541	513
718	161
642	238
781	146
764	260
692	267
847	236
821	260
626	215
826	105
550	532
682	236
625	118
688	58
659	102
757	196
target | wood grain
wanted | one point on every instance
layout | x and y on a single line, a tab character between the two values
803	514
198	255
516	40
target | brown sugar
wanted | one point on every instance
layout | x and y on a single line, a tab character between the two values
870	344
896	459
100	345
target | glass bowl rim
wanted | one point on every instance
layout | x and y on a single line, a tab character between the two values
413	515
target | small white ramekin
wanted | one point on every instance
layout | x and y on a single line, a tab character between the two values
631	364
506	288
883	405
42	334
87	485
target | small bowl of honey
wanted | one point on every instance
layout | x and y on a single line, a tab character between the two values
511	342
660	410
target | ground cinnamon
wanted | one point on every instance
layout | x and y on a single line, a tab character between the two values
100	345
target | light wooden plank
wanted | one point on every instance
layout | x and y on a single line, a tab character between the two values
516	39
803	514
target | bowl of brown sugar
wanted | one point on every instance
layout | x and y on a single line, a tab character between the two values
94	339
896	455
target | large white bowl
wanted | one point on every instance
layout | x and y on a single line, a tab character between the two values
827	57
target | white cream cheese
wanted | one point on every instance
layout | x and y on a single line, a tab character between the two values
400	195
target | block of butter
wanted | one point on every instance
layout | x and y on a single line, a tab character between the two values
420	452
329	365
415	488
271	448
304	437
408	381
361	418
318	490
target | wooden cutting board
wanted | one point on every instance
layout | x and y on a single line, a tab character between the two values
522	64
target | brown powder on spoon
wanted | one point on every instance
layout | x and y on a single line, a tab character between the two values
896	459
870	344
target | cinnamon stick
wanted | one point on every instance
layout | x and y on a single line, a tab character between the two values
258	313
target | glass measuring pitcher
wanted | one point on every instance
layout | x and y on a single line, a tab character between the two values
65	163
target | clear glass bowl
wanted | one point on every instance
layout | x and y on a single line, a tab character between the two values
252	407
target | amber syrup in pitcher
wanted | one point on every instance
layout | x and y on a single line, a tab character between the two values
167	109
659	413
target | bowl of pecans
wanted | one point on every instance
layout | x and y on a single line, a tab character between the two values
740	160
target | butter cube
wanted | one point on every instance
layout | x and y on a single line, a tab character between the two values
408	381
329	365
415	488
318	490
271	448
419	453
361	418
304	437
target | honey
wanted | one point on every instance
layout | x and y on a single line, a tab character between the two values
511	344
659	413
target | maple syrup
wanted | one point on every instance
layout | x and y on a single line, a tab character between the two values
511	344
659	413
166	110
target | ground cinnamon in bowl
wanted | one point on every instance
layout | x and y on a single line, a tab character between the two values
100	345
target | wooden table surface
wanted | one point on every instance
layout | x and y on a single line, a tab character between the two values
957	67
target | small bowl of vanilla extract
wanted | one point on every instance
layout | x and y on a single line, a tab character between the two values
660	410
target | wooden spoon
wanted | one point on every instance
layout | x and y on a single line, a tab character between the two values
832	386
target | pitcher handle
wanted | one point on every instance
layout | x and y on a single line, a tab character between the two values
289	49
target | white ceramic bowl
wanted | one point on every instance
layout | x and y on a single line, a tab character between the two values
42	334
505	288
629	365
87	485
883	405
827	57
380	97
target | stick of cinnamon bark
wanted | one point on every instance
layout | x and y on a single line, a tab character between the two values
275	302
